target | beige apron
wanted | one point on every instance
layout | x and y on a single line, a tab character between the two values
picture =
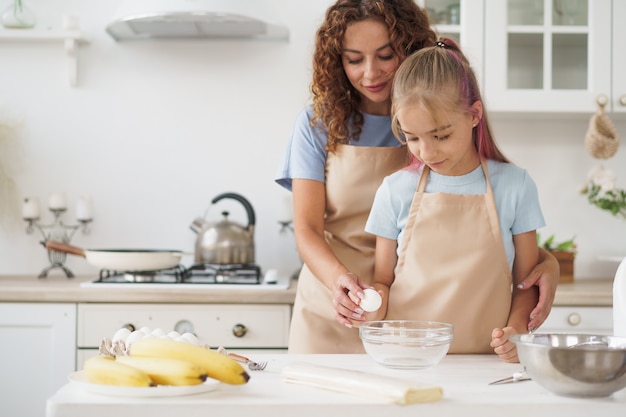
353	174
453	267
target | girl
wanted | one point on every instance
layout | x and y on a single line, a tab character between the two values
460	219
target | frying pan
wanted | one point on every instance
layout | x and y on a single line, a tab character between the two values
122	259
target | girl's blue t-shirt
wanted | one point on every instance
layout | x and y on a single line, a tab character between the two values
515	193
305	157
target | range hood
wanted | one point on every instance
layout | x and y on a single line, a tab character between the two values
176	19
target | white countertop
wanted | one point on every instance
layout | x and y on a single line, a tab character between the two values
59	289
464	379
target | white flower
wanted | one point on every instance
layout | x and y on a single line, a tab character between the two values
602	177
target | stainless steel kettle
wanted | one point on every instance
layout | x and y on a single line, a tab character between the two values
225	242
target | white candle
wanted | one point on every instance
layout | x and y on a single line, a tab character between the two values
286	209
70	22
30	209
57	201
84	208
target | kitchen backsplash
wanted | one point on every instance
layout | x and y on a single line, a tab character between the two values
154	130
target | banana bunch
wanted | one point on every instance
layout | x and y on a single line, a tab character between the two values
142	372
214	364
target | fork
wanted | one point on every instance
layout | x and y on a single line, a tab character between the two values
252	365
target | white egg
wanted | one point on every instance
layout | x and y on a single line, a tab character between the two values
191	339
173	335
145	330
181	339
121	334
371	300
158	332
134	336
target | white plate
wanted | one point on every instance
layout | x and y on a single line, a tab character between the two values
79	378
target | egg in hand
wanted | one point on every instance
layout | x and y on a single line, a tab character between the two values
371	300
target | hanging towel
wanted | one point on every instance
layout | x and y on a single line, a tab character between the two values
601	139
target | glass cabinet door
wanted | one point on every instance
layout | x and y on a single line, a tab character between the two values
463	21
618	102
547	55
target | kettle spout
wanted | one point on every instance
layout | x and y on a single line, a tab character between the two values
198	224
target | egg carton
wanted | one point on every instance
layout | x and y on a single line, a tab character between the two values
120	343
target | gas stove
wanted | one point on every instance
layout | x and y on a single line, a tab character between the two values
213	276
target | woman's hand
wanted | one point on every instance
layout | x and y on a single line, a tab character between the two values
347	293
545	275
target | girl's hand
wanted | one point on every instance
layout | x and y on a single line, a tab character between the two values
502	346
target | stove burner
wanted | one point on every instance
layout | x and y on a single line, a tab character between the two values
225	274
173	275
195	274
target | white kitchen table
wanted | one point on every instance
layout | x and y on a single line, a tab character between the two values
464	379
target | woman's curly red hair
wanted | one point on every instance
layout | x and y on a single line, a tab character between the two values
335	100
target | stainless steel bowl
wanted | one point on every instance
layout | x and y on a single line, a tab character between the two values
406	343
575	365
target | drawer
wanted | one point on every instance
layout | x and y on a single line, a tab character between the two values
227	325
579	320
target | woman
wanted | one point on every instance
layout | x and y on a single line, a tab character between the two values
341	148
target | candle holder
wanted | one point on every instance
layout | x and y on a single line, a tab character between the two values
58	231
287	225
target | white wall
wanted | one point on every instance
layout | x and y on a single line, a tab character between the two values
155	130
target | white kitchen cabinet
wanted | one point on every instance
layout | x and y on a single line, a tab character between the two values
577	319
37	354
555	56
461	20
71	40
246	327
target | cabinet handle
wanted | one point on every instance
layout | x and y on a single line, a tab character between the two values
239	330
622	100
574	319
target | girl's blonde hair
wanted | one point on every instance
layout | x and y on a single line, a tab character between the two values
440	79
335	100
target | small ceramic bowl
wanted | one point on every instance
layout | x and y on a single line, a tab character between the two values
406	343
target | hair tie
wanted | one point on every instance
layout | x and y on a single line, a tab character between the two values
441	44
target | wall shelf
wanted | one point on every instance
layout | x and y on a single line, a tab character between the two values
71	39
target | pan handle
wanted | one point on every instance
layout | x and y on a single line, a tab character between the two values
64	247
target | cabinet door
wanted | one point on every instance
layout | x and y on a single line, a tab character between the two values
547	55
228	325
38	352
619	57
585	320
461	20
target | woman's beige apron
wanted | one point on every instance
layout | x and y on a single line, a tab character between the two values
353	174
452	266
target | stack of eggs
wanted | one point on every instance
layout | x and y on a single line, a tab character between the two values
121	341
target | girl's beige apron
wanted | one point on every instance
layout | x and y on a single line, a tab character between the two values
452	266
353	174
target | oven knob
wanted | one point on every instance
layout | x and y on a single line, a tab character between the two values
184	326
574	319
239	330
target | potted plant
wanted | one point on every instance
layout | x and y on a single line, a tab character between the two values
564	252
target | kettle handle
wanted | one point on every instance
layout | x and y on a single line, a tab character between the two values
243	201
